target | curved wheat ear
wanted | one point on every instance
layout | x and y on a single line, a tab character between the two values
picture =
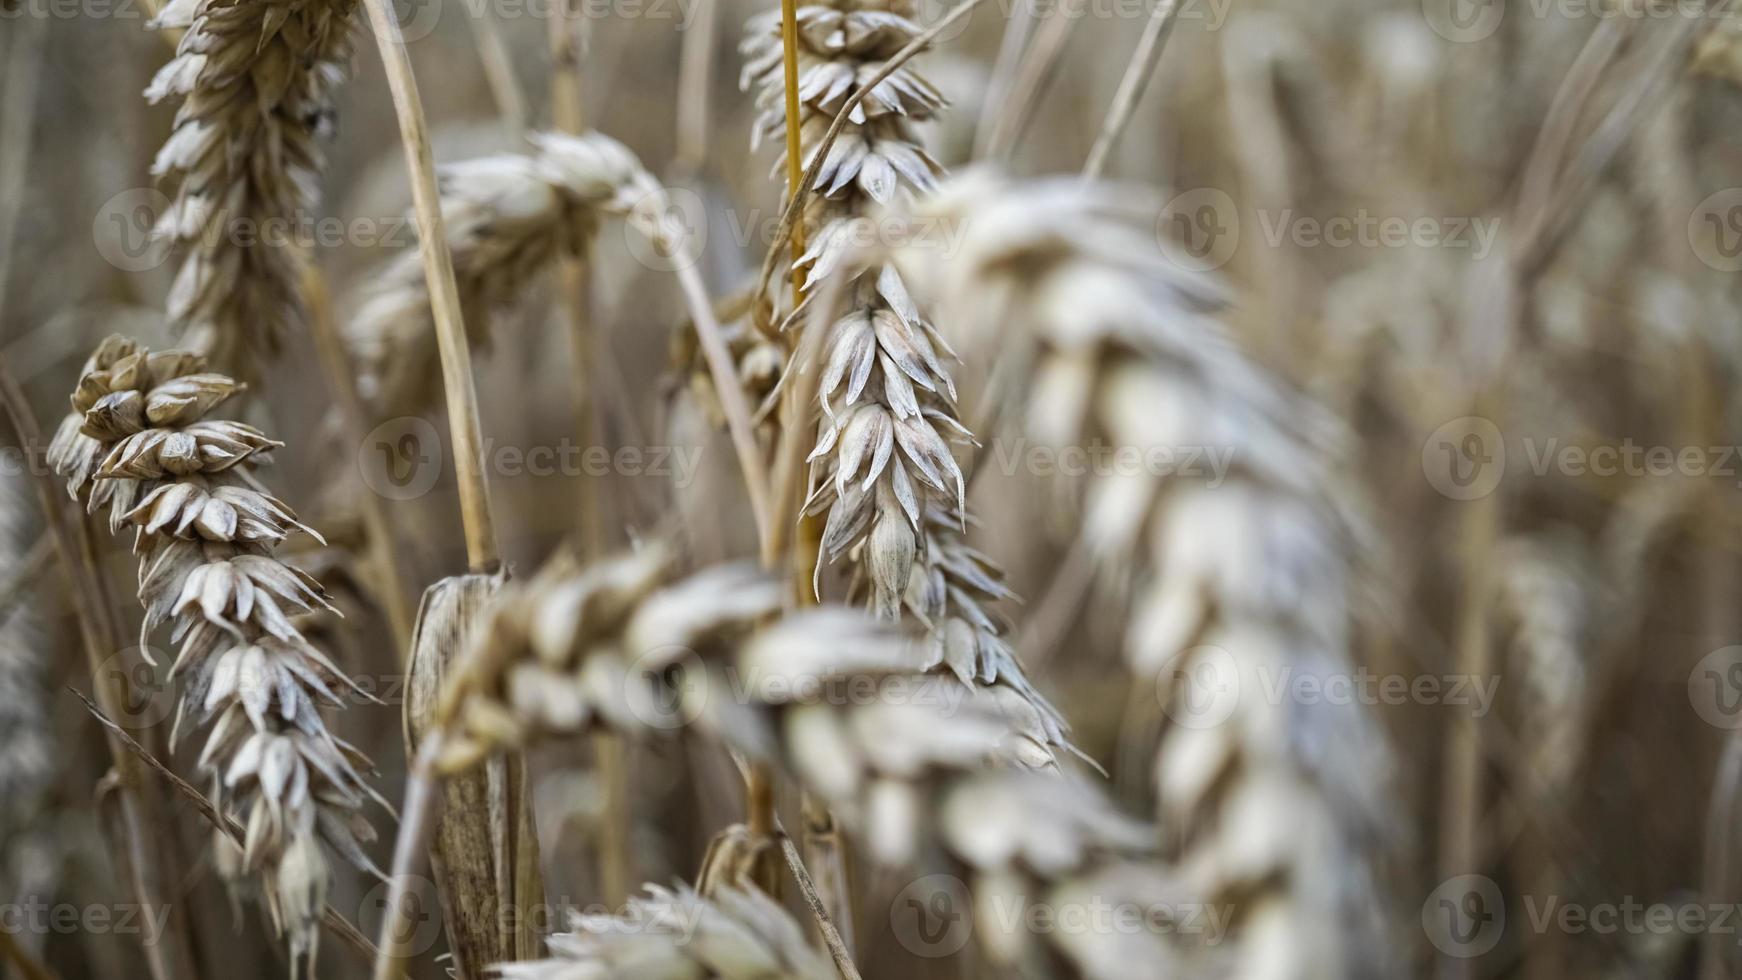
508	219
1241	578
256	83
731	934
140	443
883	468
833	695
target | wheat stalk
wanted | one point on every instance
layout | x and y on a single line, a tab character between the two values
255	84
142	442
1276	809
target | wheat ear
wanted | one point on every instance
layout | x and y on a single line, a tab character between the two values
834	697
255	83
1275	805
509	218
883	468
143	443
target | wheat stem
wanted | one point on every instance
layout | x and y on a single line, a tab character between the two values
1032	75
794	153
444	292
838	950
1132	84
27	965
416	826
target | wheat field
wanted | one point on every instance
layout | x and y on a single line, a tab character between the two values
871	489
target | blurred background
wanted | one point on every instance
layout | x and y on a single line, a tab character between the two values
1549	467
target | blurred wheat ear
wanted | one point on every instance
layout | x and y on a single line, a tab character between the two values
485	852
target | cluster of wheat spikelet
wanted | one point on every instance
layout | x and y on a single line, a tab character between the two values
256	84
883	468
925	769
509	218
1273	806
141	443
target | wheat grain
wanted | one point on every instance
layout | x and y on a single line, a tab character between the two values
508	218
256	83
833	695
139	443
1277	809
883	469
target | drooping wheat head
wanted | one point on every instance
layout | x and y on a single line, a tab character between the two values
143	442
509	218
931	773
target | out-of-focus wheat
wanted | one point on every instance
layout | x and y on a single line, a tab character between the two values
256	84
140	443
834	696
732	934
1275	805
508	219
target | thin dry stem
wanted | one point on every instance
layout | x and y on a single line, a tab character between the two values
444	291
1132	84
